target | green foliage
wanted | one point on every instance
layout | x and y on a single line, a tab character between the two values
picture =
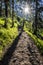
1	21
7	35
37	41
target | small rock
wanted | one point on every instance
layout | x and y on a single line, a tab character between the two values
14	60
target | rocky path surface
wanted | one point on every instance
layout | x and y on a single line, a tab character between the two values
26	52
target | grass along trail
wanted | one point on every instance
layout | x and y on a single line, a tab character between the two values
25	53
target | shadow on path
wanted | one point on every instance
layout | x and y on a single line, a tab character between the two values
6	59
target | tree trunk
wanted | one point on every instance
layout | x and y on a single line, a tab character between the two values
23	25
35	23
0	7
6	13
12	13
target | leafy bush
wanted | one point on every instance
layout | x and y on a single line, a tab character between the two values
7	35
37	41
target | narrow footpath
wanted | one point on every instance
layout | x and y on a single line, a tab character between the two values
25	53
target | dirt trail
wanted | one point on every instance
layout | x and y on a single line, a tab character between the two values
26	52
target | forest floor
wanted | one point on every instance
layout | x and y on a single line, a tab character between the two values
23	51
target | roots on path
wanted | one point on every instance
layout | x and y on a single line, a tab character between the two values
22	52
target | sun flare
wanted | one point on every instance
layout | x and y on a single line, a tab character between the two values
27	10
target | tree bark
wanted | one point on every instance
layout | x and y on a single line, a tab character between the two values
36	20
12	13
6	13
0	7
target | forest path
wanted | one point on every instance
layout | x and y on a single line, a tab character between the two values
25	53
